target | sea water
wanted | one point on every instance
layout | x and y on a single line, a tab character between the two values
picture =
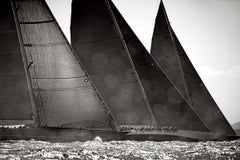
117	150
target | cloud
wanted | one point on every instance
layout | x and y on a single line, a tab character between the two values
235	71
210	72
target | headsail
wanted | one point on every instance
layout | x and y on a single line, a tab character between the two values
63	93
15	103
172	58
168	105
97	42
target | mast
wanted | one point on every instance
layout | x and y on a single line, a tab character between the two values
14	94
23	54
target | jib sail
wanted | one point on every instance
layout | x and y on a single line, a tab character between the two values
97	42
168	105
169	54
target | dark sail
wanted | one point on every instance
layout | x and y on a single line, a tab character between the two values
97	42
168	105
170	55
15	103
63	93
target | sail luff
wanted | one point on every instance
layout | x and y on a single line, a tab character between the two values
133	66
25	65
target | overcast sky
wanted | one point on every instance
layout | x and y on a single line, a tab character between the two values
209	31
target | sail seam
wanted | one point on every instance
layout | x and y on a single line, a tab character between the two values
14	95
38	22
45	44
58	78
107	39
118	83
8	52
11	74
63	89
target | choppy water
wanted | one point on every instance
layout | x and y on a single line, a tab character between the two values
116	150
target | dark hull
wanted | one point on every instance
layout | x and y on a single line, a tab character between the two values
57	135
69	135
181	135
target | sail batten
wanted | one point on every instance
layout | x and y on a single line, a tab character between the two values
36	22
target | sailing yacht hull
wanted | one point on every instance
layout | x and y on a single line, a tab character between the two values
69	135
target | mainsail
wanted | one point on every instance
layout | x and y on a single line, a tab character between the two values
168	105
97	42
15	103
172	58
63	93
117	62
